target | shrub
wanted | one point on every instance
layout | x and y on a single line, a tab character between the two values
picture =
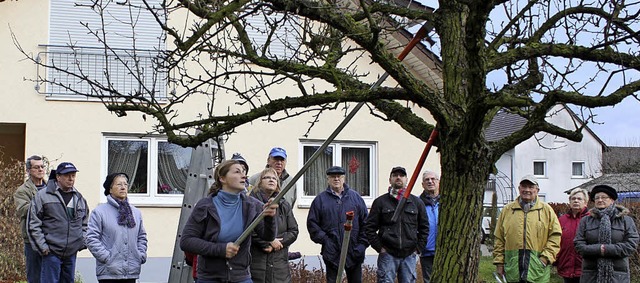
12	267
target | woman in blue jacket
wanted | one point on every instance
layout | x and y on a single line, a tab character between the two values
116	236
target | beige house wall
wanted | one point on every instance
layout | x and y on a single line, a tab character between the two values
74	130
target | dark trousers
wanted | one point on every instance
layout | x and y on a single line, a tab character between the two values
426	263
117	281
354	273
571	280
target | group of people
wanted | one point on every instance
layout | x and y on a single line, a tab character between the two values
56	224
210	234
585	245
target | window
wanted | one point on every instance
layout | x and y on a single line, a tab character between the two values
540	168
577	169
357	158
157	169
283	42
76	36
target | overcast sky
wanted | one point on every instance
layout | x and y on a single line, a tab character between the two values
621	123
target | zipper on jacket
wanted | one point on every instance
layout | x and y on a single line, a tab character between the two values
64	208
524	245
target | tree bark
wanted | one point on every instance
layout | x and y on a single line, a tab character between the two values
464	175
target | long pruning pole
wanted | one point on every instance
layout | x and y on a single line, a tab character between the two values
414	177
345	244
422	32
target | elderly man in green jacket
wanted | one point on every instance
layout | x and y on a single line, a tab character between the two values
22	197
527	236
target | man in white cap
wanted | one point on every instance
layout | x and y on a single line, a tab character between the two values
527	236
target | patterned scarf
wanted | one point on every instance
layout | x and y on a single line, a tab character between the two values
125	216
605	265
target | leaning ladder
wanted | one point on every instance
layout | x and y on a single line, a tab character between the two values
203	159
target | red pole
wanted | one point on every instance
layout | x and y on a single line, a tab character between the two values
414	177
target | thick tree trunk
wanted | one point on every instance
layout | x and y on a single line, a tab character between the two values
464	175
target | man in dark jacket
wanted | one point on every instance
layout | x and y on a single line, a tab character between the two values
397	242
57	220
325	223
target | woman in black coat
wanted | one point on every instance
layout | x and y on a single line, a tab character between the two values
605	239
270	261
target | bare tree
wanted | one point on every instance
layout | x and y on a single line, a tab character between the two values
537	53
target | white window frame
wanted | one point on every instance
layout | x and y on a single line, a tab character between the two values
152	197
544	168
304	201
583	175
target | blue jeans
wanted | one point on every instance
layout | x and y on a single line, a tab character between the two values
58	270
354	273
389	266
426	263
34	264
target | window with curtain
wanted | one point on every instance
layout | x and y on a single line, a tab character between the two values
157	169
577	169
540	168
357	158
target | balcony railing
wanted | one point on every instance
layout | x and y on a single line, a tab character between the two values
92	72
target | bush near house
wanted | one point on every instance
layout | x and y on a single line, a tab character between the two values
12	267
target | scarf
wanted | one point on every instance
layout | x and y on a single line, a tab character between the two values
125	216
605	265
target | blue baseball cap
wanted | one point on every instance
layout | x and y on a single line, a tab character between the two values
278	152
66	167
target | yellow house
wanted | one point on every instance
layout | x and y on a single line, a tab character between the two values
39	118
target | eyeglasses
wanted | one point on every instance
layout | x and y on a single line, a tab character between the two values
431	179
121	185
269	178
601	198
37	167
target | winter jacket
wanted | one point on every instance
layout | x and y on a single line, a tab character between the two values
119	250
50	225
522	238
200	235
325	223
624	240
569	262
22	198
405	236
274	266
432	206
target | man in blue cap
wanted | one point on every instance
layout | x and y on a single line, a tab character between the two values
57	221
277	160
325	223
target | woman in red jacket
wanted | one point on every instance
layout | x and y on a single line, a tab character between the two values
569	262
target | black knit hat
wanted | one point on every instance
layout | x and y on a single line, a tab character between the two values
109	180
611	192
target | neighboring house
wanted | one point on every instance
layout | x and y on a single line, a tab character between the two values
621	168
558	163
622	182
37	118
